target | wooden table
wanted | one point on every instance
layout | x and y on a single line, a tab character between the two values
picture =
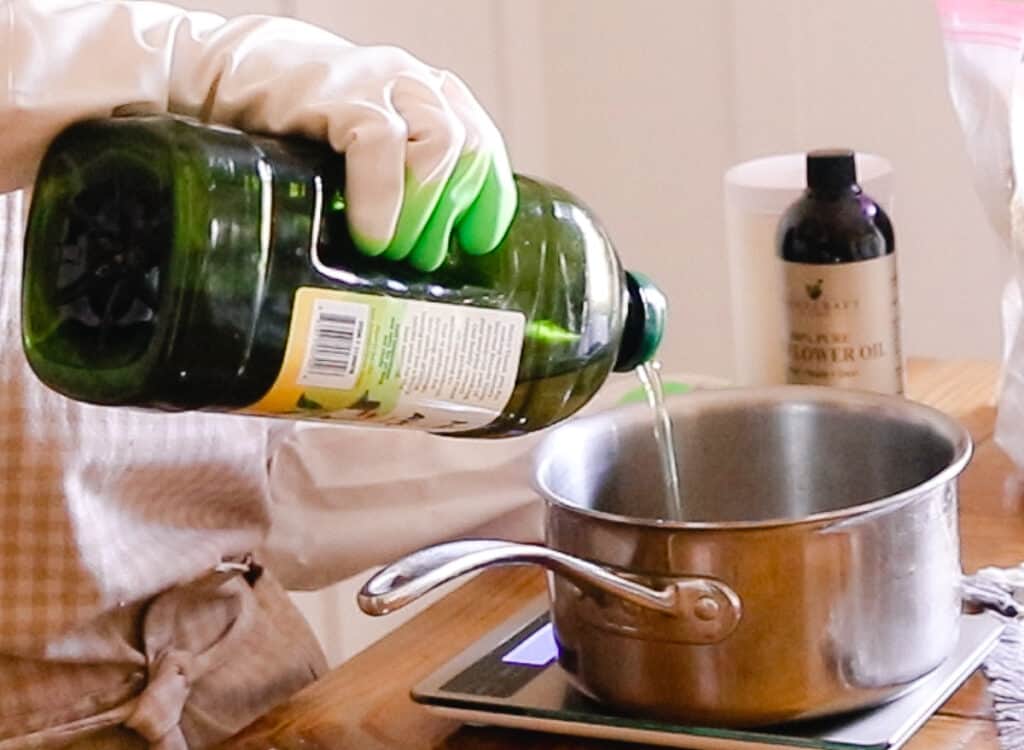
364	703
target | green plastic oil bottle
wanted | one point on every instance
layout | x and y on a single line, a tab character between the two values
175	265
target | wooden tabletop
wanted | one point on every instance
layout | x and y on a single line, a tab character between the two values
364	703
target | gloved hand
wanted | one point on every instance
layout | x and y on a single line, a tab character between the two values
424	161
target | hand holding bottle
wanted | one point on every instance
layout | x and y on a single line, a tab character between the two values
425	162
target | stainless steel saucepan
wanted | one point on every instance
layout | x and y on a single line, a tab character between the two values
816	568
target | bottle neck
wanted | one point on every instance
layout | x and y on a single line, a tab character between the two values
830	193
642	331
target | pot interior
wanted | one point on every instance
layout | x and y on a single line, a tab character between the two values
753	455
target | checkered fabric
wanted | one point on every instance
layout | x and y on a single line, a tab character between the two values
102	513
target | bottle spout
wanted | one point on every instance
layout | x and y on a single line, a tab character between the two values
645	323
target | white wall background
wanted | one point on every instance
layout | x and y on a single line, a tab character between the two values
639	106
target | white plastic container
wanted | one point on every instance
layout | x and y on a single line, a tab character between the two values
756	194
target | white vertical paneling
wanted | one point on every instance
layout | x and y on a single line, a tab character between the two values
522	68
766	91
453	34
326	611
638	108
871	75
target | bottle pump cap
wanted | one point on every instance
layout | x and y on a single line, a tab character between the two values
831	170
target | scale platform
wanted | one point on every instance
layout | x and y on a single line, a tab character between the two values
511	678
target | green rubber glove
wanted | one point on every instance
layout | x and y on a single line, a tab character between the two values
456	178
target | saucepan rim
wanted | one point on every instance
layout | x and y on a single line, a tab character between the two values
788	396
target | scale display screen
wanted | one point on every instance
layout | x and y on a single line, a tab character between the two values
538	650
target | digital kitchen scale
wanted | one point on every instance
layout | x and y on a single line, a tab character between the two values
511	678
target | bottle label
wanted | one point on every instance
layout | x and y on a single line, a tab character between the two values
396	362
844	325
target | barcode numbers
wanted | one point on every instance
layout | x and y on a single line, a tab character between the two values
335	346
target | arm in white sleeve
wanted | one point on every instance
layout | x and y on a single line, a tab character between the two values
347	499
410	133
343	499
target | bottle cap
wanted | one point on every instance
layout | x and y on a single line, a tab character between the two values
831	170
645	323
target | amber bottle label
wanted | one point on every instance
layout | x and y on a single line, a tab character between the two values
844	325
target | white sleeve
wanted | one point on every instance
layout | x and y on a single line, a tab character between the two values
65	60
346	499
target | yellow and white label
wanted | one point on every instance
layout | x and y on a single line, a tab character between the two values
844	325
397	362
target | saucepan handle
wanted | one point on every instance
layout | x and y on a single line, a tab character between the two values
712	609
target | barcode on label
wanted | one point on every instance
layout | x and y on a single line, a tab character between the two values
334	350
